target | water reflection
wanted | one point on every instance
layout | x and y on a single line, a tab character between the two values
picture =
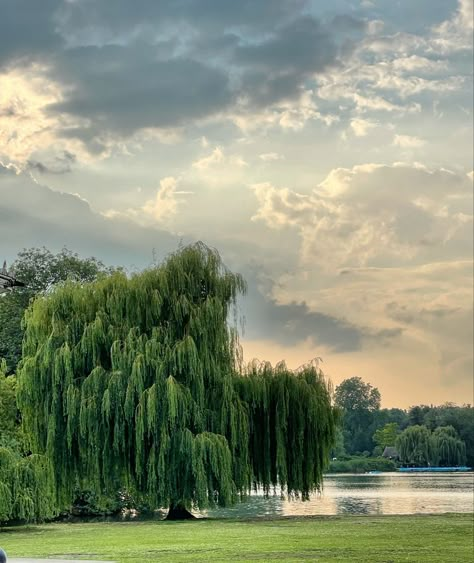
389	493
352	505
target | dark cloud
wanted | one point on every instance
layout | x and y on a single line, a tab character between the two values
127	88
27	30
120	15
303	44
294	323
131	65
276	68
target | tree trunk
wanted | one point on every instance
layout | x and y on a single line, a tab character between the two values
179	512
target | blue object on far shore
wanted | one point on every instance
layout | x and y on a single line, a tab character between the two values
433	469
3	556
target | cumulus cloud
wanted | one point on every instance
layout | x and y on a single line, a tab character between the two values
218	158
361	127
205	162
159	210
373	212
389	249
165	204
24	124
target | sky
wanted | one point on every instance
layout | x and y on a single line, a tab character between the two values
324	148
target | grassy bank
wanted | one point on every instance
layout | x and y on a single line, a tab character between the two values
430	538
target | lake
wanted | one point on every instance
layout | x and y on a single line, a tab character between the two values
385	493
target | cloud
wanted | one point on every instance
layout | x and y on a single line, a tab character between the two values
113	71
165	204
455	34
117	71
209	15
27	31
387	249
374	212
432	303
399	71
60	163
24	124
294	323
270	156
304	41
122	89
218	158
290	115
205	162
34	215
159	210
408	142
361	127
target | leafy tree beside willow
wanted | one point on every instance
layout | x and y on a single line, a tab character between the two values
40	270
133	383
359	402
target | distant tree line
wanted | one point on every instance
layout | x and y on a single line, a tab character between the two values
422	435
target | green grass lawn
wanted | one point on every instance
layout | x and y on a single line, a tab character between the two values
430	538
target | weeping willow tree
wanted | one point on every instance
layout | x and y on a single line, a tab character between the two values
449	449
415	446
133	383
443	447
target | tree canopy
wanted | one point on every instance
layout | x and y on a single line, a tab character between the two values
387	435
40	270
354	394
136	383
358	401
25	485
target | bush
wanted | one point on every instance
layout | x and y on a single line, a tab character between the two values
361	465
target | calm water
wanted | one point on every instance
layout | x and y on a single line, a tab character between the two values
388	493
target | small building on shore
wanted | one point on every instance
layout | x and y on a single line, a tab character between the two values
390	452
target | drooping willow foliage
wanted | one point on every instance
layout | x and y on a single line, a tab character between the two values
26	487
291	426
443	447
415	446
133	383
448	449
